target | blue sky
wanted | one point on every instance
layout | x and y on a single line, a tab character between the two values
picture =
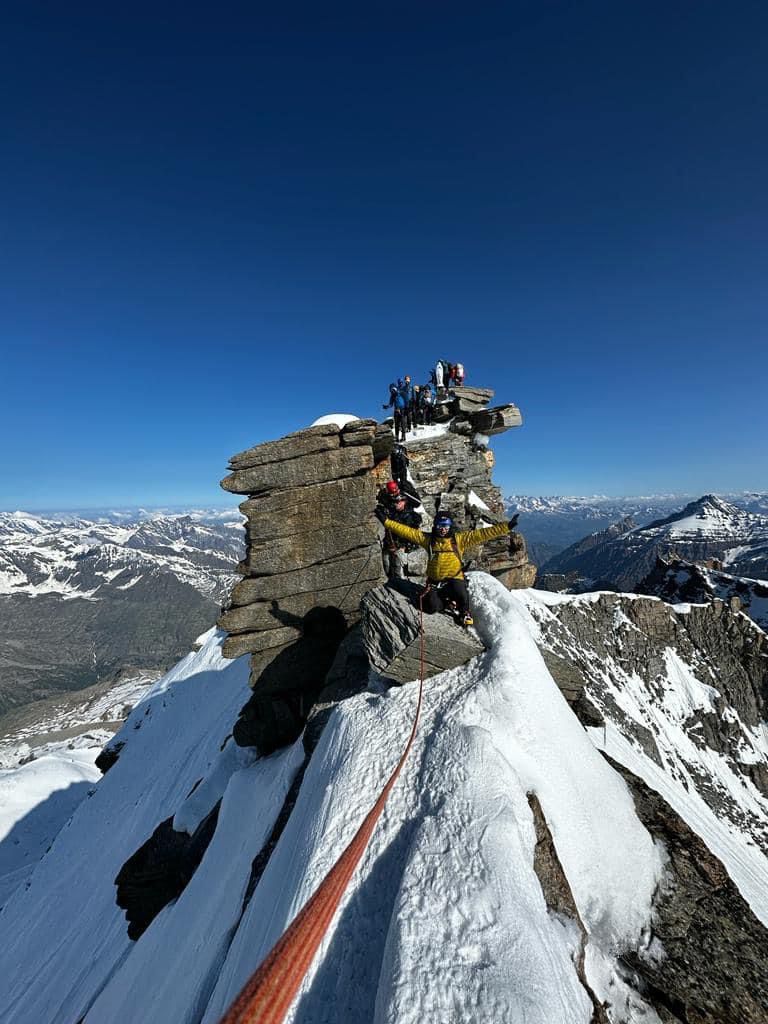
217	224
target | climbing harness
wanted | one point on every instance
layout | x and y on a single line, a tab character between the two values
268	994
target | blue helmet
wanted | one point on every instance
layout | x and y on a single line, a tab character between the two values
443	522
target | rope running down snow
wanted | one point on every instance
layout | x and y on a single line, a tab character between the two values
268	994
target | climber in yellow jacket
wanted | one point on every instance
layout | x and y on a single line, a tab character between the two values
445	571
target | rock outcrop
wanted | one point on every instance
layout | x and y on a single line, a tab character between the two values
391	634
313	553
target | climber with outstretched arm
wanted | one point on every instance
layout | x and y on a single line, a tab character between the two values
445	571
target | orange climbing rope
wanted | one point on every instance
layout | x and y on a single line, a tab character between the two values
268	994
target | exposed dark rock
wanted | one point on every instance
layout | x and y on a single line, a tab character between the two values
468	399
347	676
676	580
108	757
160	870
390	623
581	641
559	897
714	968
288	687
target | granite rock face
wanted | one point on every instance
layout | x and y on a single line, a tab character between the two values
390	627
453	475
714	969
311	542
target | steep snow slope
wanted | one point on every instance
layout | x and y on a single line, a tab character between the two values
444	920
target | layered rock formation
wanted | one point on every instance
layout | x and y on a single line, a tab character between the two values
313	547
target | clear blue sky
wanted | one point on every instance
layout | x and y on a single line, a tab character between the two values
218	222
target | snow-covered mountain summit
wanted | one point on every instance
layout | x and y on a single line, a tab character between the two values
709	528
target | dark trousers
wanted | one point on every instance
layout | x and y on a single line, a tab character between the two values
451	590
400	424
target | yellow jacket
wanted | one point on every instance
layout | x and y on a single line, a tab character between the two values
443	563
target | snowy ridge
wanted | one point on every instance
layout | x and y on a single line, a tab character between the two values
446	918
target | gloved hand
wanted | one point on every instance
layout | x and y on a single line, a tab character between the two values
513	521
385	406
380	513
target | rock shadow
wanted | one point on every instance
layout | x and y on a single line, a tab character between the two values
31	837
288	687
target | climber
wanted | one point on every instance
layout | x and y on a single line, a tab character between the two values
402	505
399	406
446	586
399	462
427	405
406	393
459	374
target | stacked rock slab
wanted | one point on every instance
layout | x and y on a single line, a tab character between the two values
311	542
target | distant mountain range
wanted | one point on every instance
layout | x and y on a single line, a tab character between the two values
709	530
552	523
82	600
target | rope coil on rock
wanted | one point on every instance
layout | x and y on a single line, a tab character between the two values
268	994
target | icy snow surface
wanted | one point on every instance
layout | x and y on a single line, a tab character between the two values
446	919
63	936
340	419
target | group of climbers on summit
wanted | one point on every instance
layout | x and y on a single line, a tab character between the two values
413	405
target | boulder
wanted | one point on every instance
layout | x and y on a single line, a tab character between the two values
390	624
300	471
467	400
496	420
302	442
714	968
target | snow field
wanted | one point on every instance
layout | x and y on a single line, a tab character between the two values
63	936
445	919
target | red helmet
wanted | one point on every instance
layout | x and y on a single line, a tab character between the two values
392	487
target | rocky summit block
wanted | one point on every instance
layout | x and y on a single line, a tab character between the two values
302	470
465	399
345	570
302	442
496	420
390	623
